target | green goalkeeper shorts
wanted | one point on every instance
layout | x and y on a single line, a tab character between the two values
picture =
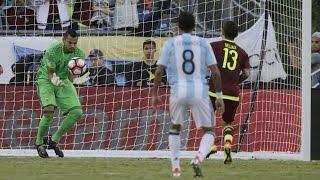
65	97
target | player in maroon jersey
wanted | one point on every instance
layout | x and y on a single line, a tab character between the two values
232	60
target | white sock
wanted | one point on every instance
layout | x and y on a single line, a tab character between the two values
205	145
174	145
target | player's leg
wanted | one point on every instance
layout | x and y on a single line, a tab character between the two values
174	146
203	115
228	118
48	102
213	148
68	101
178	115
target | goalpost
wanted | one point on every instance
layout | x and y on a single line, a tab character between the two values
273	119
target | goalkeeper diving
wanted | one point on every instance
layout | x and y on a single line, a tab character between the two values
55	88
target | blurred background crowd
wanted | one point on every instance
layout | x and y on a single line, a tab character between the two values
143	17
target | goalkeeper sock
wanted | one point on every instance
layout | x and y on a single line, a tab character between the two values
205	145
174	145
44	124
227	132
67	124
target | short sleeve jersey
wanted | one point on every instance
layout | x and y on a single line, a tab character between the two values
186	59
231	60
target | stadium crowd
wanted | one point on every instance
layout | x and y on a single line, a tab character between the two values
141	16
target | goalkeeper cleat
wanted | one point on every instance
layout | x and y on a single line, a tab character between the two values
176	172
42	151
213	150
196	167
227	153
53	145
46	140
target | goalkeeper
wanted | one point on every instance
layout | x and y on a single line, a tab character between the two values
55	88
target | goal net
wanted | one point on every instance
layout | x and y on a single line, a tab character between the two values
118	118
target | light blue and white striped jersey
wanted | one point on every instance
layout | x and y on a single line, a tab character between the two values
186	59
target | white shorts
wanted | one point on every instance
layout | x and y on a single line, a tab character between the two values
201	110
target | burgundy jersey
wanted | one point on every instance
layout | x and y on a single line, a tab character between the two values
231	60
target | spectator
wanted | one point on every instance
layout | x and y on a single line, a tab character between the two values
293	51
101	14
124	72
315	50
52	14
144	74
1	69
25	69
2	16
20	16
101	72
294	57
151	19
147	3
125	15
82	11
145	15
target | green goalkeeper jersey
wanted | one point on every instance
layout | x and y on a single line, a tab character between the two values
55	58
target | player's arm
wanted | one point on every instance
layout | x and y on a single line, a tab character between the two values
157	78
156	83
71	77
54	78
245	74
51	67
161	64
216	79
49	63
51	71
245	68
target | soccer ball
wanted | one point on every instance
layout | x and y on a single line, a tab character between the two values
77	66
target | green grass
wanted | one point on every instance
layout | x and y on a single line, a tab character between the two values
26	168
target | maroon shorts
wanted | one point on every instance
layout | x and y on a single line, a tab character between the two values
230	109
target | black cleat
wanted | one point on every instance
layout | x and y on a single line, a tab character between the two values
42	151
46	141
227	153
213	150
196	168
53	145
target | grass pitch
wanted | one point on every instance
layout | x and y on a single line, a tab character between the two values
25	168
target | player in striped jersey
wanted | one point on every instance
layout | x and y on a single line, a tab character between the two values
186	59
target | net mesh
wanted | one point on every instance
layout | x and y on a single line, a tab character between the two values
117	112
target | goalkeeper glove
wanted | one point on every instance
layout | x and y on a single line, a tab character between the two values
55	80
81	79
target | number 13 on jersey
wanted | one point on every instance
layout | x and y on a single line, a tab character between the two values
230	59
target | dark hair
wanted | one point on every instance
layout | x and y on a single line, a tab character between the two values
186	21
230	30
149	41
70	32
